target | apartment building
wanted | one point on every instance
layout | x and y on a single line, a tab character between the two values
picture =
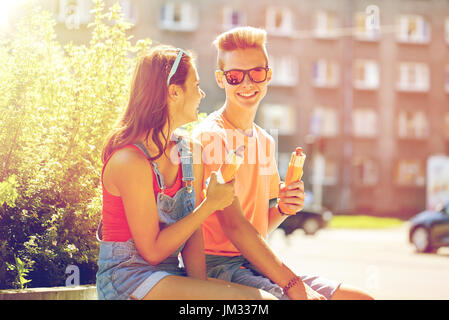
363	86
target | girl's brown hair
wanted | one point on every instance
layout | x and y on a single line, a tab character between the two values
147	111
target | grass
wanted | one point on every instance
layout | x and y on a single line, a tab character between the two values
363	222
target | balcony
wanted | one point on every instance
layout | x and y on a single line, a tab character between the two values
413	77
178	17
279	21
366	75
412	29
326	74
285	71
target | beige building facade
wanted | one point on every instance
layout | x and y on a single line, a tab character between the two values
363	86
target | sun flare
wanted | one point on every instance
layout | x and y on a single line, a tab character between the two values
6	7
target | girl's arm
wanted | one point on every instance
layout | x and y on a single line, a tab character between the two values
131	174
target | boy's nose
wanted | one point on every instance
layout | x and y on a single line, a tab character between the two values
246	80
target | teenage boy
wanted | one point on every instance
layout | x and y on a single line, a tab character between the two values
234	238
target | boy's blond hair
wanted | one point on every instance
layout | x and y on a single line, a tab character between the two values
240	38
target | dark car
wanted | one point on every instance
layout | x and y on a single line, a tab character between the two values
429	230
311	219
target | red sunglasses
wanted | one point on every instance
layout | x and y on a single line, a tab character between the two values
236	76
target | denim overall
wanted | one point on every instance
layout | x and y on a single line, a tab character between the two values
122	272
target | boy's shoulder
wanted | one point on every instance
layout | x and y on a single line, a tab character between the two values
261	132
212	124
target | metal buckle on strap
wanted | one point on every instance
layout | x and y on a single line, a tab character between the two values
189	186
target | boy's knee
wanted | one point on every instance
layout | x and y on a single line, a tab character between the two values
345	292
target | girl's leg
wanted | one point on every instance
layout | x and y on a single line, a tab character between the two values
186	288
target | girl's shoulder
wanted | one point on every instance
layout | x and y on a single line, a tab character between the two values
127	156
126	166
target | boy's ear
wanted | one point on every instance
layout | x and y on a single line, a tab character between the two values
219	78
269	74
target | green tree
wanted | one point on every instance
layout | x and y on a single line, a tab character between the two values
56	107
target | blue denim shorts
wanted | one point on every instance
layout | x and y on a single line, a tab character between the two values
123	274
239	270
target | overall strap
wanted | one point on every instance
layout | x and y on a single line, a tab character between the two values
159	178
186	162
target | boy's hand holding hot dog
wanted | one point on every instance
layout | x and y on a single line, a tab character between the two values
291	197
291	193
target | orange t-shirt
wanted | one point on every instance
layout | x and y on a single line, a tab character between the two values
256	181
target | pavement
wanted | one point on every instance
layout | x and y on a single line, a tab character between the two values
379	261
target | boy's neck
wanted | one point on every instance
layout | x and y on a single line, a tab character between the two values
240	118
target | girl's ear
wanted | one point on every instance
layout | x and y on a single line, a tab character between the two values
173	91
219	78
269	74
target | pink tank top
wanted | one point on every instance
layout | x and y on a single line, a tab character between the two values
115	225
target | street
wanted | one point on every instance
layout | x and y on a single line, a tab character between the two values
381	262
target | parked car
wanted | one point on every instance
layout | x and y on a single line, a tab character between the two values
311	219
429	230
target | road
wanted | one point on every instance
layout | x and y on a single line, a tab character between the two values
382	262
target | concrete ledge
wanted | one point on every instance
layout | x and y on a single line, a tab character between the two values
84	292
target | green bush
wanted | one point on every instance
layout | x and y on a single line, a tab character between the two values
57	103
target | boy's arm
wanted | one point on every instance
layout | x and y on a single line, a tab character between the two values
193	256
254	248
193	251
275	219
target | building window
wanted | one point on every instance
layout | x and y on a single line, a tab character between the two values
446	125
412	29
178	17
324	170
278	117
324	122
279	21
362	32
284	71
365	171
446	82
366	74
446	28
413	125
410	172
364	123
129	10
325	73
74	13
413	77
233	18
325	24
330	172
